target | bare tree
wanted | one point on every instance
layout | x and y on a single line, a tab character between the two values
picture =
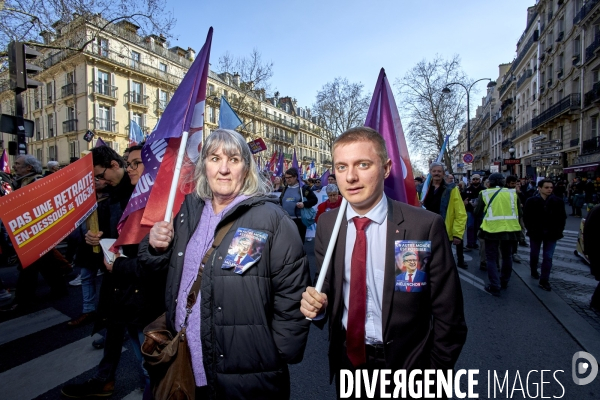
340	105
431	113
26	20
251	80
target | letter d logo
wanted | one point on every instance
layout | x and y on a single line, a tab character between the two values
583	367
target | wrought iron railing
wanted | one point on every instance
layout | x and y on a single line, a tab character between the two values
570	102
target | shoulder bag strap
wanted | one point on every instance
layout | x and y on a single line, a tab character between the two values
492	199
191	300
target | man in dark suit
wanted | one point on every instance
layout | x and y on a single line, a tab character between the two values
389	328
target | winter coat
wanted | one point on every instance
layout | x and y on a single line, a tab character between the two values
129	294
251	324
544	219
452	209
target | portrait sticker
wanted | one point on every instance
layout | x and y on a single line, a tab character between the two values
411	257
245	249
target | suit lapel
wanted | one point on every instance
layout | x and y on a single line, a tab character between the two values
395	231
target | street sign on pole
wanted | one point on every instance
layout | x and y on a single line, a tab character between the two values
468	158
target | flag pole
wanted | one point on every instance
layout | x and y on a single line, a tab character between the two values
176	173
329	252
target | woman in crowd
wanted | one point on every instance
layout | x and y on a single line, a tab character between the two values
277	185
246	325
334	200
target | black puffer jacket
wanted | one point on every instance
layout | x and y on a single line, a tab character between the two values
545	219
251	324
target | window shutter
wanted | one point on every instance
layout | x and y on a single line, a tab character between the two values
143	89
54	91
143	121
113	80
95	77
96	115
113	118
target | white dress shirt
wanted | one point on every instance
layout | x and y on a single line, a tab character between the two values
376	234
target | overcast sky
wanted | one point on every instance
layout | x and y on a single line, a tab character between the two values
312	42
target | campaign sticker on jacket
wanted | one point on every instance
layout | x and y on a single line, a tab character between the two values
245	249
411	258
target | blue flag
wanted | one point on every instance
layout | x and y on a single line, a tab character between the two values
136	136
228	119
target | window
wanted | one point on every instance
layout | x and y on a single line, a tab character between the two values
211	88
163	99
136	92
162	67
594	127
50	92
73	149
211	115
135	59
102	47
39	154
38	131
595	75
71	113
70	77
103	83
52	153
51	132
138	119
104	118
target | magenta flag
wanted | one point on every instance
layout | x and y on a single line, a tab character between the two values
384	118
4	164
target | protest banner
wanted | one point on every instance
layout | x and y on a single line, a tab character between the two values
258	145
40	215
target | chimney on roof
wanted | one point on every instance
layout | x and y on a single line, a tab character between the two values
236	79
191	54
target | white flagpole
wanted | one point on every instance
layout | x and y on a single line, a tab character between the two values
176	173
332	241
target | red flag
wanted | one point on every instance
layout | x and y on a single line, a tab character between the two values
185	112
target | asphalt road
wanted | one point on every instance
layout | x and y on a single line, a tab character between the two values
514	337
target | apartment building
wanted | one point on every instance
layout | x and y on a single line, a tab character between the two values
121	76
549	94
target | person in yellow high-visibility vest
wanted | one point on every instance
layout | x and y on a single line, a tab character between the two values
498	208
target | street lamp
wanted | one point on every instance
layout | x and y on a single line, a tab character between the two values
447	90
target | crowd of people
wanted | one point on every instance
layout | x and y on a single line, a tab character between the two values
231	270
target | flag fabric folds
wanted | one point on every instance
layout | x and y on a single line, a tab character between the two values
185	112
278	171
384	118
4	164
136	136
324	178
228	119
295	165
100	142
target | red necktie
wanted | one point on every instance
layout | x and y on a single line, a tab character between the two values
238	260
357	310
408	288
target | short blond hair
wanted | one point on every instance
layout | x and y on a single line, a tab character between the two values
363	134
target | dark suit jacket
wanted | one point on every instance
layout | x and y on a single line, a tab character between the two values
424	329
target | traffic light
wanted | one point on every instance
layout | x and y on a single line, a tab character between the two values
18	54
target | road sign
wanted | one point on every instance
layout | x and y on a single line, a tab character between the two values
468	158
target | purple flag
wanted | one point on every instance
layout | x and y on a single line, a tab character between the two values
324	178
100	143
279	168
295	165
384	118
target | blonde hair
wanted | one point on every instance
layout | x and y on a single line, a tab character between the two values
231	143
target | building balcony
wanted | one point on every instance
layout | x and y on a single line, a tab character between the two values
136	99
103	90
568	103
105	125
574	142
326	161
526	75
506	143
70	126
590	51
593	96
523	129
591	146
506	85
524	51
68	90
280	121
584	11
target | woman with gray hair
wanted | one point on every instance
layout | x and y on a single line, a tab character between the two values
334	200
245	326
